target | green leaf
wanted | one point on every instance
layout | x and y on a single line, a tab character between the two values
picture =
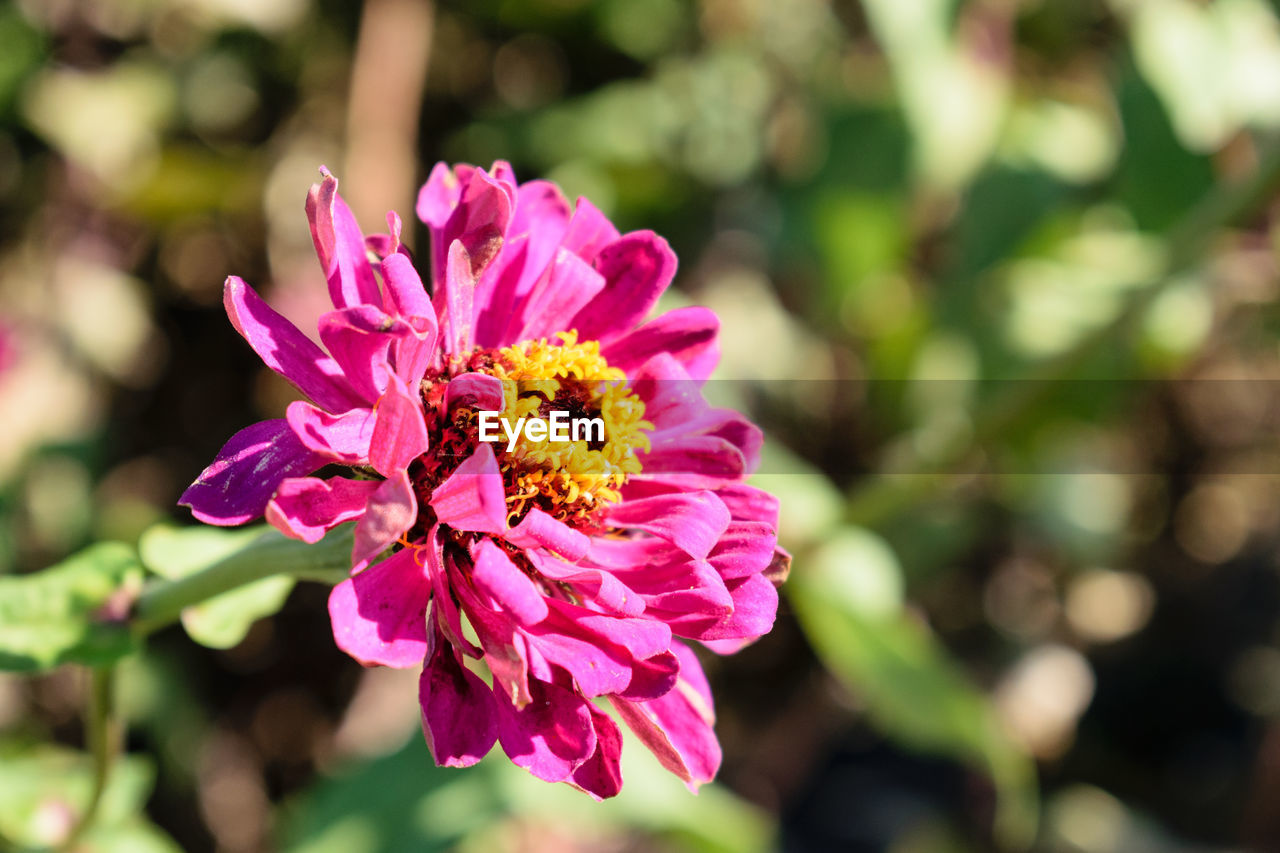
56	616
223	620
44	789
912	690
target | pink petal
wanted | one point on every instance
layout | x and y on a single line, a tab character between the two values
456	301
475	391
564	289
360	339
380	615
236	487
444	608
747	503
746	548
692	522
755	606
340	247
286	350
473	498
307	507
637	268
459	711
339	438
601	774
495	575
687	334
438	196
589	231
392	510
399	432
600	588
677	727
539	530
552	736
702	461
406	294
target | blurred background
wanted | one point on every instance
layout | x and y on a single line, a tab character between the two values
998	277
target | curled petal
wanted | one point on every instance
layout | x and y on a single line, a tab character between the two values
339	438
399	432
392	510
307	507
340	247
380	614
236	487
689	335
495	574
539	530
636	268
474	390
601	774
473	498
456	301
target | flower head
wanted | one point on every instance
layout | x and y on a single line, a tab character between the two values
526	576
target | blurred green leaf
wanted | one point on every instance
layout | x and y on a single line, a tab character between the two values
222	621
911	688
56	616
44	788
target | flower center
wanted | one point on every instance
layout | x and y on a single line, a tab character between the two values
567	478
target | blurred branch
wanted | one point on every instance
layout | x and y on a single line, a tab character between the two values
329	561
880	500
102	736
387	80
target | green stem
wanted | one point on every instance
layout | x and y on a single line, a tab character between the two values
162	602
882	499
102	736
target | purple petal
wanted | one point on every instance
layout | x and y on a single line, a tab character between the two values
459	711
286	350
392	510
473	498
380	615
444	608
552	736
307	507
236	487
339	438
513	591
400	431
692	522
340	247
637	268
688	334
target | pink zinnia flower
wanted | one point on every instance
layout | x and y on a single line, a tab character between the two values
568	569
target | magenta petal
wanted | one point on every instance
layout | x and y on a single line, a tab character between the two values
746	548
340	247
478	222
601	774
552	736
600	588
307	507
339	438
755	606
513	591
747	503
637	268
438	196
360	339
444	608
459	711
473	498
236	487
392	510
456	302
564	289
380	615
589	231
687	334
539	530
286	350
677	727
692	522
405	291
400	431
705	460
475	391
